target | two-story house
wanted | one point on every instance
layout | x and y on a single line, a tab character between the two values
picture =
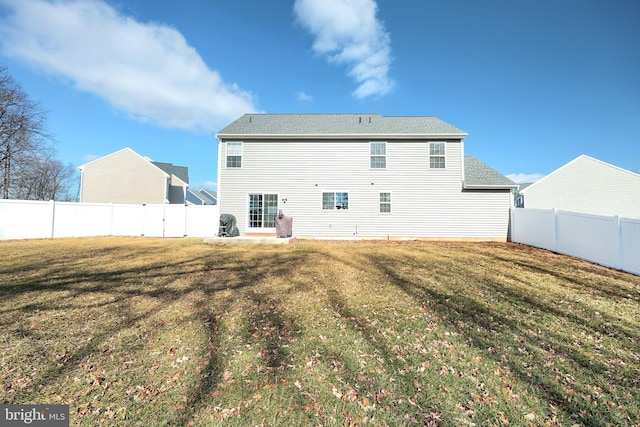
358	175
127	177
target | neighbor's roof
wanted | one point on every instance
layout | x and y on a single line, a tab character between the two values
583	162
182	172
338	125
212	196
480	175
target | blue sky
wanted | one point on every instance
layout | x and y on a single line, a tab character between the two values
534	83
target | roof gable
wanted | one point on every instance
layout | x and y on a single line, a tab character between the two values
580	162
181	172
338	125
122	151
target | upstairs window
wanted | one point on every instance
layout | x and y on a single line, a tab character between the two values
378	152
234	154
436	155
335	201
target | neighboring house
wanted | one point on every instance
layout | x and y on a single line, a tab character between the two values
519	201
201	197
587	185
350	175
127	177
210	196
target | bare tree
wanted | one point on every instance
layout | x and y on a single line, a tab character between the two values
44	178
22	129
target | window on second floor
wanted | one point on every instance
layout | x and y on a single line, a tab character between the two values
436	155
234	154
378	152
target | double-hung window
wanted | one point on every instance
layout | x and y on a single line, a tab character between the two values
234	154
436	155
385	202
337	200
378	153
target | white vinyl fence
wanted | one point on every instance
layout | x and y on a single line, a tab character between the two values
22	219
611	241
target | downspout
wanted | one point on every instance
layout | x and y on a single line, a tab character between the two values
81	169
462	162
219	183
166	188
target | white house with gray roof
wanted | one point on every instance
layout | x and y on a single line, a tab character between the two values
127	177
358	175
587	185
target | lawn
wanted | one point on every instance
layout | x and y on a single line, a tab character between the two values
141	331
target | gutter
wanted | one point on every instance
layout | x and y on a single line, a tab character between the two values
488	187
325	136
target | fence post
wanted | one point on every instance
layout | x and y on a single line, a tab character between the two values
53	217
186	219
111	221
144	218
619	241
555	229
511	227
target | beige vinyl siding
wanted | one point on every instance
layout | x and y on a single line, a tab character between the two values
425	202
587	185
123	177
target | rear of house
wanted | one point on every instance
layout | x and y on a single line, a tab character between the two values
350	175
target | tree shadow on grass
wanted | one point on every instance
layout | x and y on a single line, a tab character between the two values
205	279
602	281
452	292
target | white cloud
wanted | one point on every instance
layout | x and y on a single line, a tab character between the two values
303	97
348	33
523	178
209	185
147	70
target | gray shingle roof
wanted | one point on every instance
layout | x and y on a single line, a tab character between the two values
210	196
328	125
182	172
479	175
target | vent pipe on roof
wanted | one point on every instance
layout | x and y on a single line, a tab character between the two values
249	119
360	120
369	120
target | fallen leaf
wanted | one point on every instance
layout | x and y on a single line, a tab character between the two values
337	393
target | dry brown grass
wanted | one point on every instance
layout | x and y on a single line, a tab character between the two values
139	331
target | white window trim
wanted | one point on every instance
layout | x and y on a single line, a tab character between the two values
371	155
226	154
446	163
390	203
248	216
334	201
